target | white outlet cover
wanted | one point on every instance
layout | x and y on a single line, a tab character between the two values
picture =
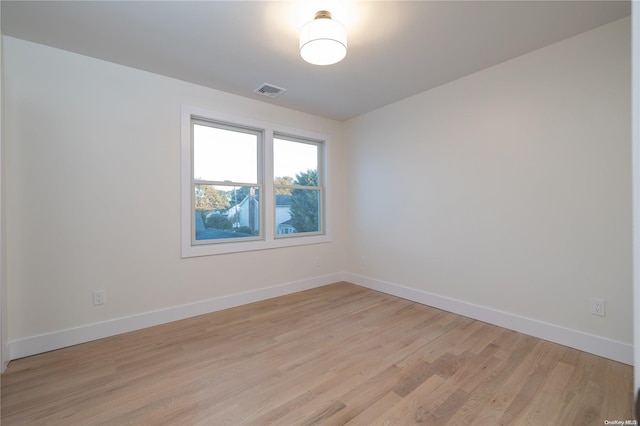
597	307
98	297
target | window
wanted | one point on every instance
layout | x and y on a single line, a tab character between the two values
297	193
248	185
225	179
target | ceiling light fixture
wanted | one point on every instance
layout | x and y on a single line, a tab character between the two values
323	41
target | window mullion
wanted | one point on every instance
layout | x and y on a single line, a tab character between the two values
269	195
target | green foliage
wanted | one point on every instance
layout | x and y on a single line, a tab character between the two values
283	181
304	203
215	221
209	198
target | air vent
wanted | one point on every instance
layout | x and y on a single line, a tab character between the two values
269	90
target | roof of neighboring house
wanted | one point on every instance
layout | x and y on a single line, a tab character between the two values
199	222
214	234
281	201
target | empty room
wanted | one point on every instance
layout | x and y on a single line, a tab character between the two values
319	213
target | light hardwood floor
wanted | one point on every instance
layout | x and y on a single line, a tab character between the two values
339	354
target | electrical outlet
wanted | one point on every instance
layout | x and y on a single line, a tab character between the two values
98	297
597	307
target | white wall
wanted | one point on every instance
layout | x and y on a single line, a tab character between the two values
508	189
93	196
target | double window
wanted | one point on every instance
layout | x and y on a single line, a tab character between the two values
248	185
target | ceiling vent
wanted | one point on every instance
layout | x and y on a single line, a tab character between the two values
269	90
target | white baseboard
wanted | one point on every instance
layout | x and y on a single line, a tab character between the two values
596	345
73	336
617	351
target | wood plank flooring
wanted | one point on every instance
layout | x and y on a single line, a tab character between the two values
335	355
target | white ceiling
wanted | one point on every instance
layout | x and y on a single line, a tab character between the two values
396	48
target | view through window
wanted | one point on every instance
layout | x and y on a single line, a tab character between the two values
236	197
226	185
297	193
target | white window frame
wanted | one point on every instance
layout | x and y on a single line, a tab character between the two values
319	188
269	239
259	173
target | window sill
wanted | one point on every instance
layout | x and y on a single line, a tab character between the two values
238	247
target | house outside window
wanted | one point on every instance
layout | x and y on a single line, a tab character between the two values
249	185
